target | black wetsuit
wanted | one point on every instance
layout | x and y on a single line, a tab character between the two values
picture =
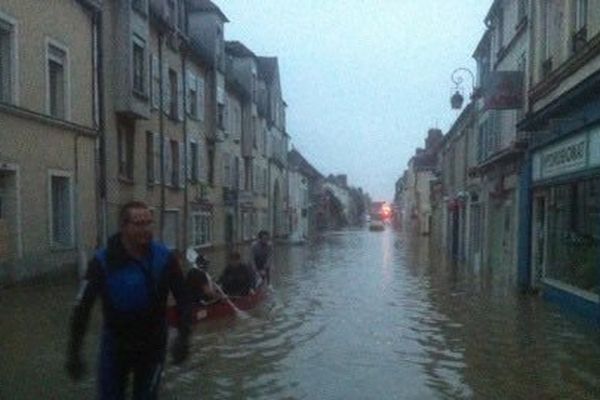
238	280
134	298
261	253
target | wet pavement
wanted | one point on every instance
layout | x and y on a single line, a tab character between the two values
358	315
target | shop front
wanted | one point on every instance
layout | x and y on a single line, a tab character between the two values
565	240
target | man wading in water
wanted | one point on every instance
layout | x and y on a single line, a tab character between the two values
261	255
133	277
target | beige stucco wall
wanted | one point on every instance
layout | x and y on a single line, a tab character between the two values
70	27
36	145
26	143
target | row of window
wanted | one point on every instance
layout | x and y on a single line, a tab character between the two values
172	84
489	138
254	178
62	217
174	161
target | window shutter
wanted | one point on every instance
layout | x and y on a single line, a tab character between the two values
157	159
201	161
189	160
180	95
200	94
190	84
150	76
166	90
181	164
155	82
168	163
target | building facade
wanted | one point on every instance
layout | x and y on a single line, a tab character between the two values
560	241
48	131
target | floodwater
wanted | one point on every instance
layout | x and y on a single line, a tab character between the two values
358	315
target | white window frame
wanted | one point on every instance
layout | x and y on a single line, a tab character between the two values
139	41
14	57
195	240
67	72
55	245
154	82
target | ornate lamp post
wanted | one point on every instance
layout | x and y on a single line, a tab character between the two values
457	99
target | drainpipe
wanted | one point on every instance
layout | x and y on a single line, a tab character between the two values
186	209
531	55
525	225
79	244
161	134
102	228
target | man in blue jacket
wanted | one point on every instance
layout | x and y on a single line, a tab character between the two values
133	276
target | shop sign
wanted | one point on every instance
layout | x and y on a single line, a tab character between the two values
566	157
595	147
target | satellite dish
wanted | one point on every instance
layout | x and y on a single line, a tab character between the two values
191	255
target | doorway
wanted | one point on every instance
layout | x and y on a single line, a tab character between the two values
10	235
540	213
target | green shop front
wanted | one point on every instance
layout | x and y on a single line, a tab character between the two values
565	220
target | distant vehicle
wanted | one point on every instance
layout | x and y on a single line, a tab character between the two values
376	226
376	223
381	213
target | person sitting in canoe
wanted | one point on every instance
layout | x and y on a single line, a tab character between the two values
238	279
199	283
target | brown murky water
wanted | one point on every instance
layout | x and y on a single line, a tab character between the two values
359	315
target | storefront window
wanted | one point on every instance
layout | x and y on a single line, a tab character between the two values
574	234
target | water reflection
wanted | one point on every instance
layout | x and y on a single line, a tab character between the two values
356	315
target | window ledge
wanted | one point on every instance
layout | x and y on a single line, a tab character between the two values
59	248
572	289
126	180
140	95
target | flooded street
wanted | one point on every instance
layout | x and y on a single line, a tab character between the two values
360	315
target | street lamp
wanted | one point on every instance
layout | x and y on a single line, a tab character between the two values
457	99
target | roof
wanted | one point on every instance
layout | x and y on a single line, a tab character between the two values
268	68
492	11
206	6
459	122
238	49
485	41
296	159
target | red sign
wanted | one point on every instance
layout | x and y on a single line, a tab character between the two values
503	90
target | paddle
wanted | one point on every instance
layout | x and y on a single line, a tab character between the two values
191	255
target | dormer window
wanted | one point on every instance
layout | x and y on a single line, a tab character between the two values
171	12
581	14
141	6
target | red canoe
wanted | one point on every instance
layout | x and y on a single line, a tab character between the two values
220	308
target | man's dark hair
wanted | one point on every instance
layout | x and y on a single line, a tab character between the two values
125	208
263	234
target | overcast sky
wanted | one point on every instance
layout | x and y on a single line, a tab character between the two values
364	79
